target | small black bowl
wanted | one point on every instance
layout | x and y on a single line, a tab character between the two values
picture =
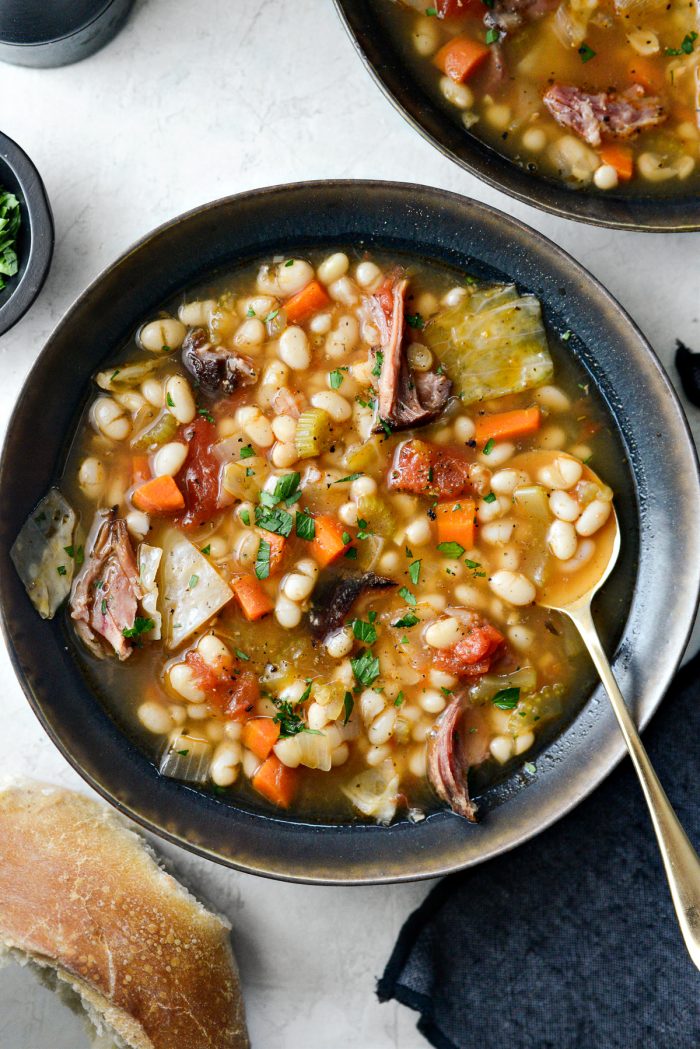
45	33
649	213
35	238
658	502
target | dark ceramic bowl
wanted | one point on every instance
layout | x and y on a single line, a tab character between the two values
35	239
364	22
659	505
56	33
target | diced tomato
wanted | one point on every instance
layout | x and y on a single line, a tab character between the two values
430	469
474	654
198	479
231	690
459	8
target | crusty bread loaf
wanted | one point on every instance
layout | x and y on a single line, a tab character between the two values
82	894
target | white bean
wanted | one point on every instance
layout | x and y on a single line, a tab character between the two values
92	477
497	532
320	324
499	454
109	418
417	761
420	358
490	511
132	400
339	643
214	652
425	36
552	437
593	517
297	586
225	763
343	290
439	679
162	335
362	486
276	375
367	273
390	562
179	399
252	332
382	728
152	390
371	705
257	427
284	454
443	633
584	552
138	523
521	637
432	701
340	755
418	531
504	482
334	403
605	177
524	742
287	613
293	275
376	755
333	267
438	602
155	717
316	717
561	474
552	398
501	748
513	587
218	546
562	541
287	750
564	506
507	557
294	348
456	94
348	514
198	711
169	459
182	680
534	139
453	297
284	427
197	314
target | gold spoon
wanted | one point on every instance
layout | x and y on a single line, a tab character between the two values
572	595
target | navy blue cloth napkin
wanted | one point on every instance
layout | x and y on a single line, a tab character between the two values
570	941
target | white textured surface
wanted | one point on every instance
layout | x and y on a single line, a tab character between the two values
191	102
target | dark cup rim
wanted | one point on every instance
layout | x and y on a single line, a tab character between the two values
37	214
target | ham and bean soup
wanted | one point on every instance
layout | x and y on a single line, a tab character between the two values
304	523
595	92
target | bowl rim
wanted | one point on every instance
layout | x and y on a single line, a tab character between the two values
35	270
322	871
497	171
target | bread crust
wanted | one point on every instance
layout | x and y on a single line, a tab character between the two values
82	893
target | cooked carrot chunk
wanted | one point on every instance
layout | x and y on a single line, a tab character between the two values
517	423
328	542
461	57
160	495
309	300
455	522
252	597
275	781
619	157
260	736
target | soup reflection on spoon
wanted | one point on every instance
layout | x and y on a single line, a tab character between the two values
570	590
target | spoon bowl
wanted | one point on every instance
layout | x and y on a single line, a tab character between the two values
570	590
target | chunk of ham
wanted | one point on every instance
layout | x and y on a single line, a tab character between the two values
218	371
423	468
106	592
607	114
458	742
406	398
507	15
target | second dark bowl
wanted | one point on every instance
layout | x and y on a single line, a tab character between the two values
652	214
659	505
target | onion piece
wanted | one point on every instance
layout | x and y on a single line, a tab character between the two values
374	792
186	758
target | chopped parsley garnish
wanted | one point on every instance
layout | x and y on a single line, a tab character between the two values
414	572
566	335
194	579
249	471
206	414
406	621
378	362
250	312
114	374
586	53
10	219
406	594
399	699
348	704
453	550
386	427
62	570
506	698
182	753
241	655
346	538
350	477
169	401
141	626
493	36
336	378
206	549
472	564
289	262
351	553
290	723
365	631
489	446
262	561
78	554
245	516
103	606
447	692
247	451
365	667
271	316
278	521
529	767
305	525
431	11
490	498
687	45
414	320
363	529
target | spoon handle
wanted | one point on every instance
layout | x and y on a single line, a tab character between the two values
679	857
